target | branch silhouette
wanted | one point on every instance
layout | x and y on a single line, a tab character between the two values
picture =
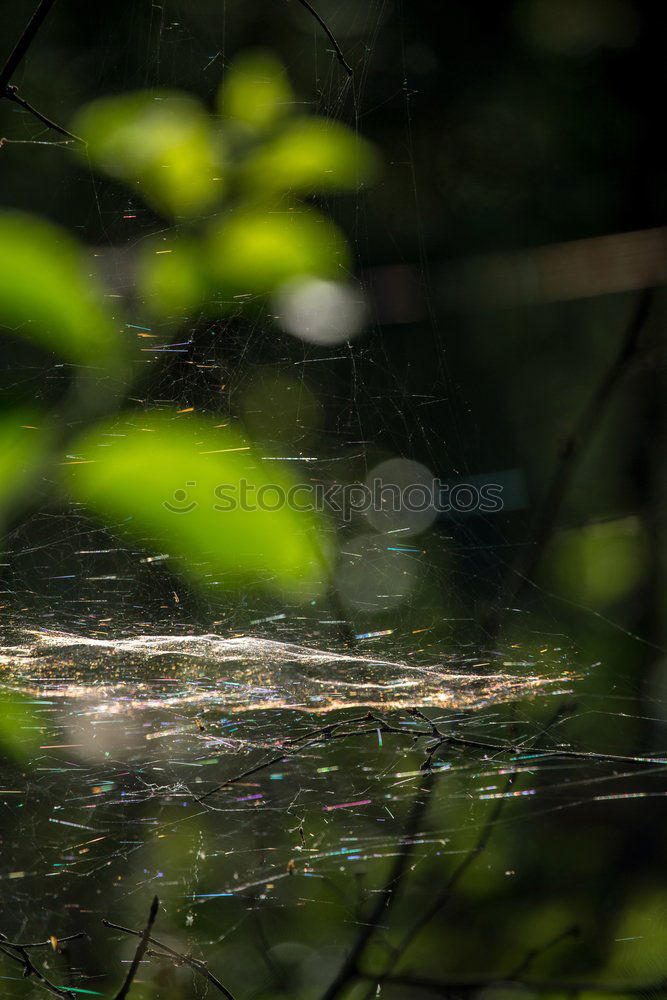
139	953
575	445
19	953
174	956
14	60
435	739
330	35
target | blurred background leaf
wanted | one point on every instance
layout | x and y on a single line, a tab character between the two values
19	727
171	278
599	564
255	90
161	476
47	294
163	142
257	250
312	155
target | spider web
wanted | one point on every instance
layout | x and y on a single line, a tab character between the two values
137	696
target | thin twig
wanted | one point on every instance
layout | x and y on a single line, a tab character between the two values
335	731
20	50
533	954
330	35
305	742
544	753
441	900
45	944
12	94
15	59
139	953
386	898
21	956
175	956
572	451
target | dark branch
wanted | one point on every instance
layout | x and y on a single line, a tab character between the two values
46	944
385	900
440	740
174	956
572	451
139	953
330	35
542	752
20	50
18	953
442	899
15	59
300	743
533	954
12	94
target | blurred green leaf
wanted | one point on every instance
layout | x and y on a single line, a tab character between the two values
19	728
163	476
256	90
640	935
599	563
23	438
312	155
162	141
47	294
256	251
171	278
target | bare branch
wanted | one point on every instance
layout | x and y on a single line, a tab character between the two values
15	59
301	743
330	35
440	740
439	902
175	956
18	953
20	50
139	953
348	972
533	954
12	94
45	944
571	453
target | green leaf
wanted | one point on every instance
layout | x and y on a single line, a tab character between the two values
23	439
598	564
47	294
176	482
171	278
312	155
162	141
255	90
256	251
19	727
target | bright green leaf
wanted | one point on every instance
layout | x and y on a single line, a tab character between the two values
256	251
176	483
171	278
163	142
311	155
19	727
255	90
47	294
